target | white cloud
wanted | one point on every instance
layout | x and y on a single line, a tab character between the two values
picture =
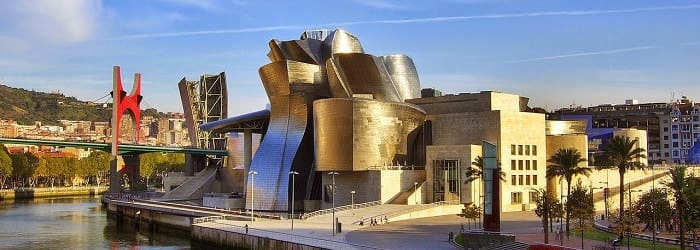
55	21
382	4
206	5
409	20
588	53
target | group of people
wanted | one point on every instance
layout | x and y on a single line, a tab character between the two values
373	221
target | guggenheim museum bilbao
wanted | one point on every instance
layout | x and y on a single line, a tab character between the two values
339	115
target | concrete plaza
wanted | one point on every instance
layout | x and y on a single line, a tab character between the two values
419	233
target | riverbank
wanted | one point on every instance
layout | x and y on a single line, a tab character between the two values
31	193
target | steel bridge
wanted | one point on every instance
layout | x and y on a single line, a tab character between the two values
124	149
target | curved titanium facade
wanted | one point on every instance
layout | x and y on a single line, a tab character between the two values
404	75
356	134
311	84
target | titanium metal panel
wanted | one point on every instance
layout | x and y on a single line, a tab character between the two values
364	74
277	77
356	134
404	75
565	127
340	41
275	53
277	152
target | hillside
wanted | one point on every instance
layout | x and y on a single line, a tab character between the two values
27	106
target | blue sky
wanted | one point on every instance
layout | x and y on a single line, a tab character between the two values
555	52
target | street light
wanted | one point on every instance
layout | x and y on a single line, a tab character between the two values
415	197
352	201
629	216
293	173
252	193
605	194
333	174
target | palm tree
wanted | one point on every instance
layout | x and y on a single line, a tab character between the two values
476	171
679	186
623	154
565	163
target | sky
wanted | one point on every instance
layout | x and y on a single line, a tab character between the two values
557	53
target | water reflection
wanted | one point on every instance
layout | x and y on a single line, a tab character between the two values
77	223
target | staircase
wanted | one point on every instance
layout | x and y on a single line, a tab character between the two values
195	187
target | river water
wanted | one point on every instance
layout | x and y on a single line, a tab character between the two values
77	223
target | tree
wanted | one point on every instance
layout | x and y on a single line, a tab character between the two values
471	212
547	207
652	207
5	165
579	205
623	154
476	171
679	186
565	163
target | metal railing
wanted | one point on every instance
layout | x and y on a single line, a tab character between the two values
340	208
412	209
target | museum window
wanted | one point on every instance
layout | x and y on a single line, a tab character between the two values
534	164
527	149
512	164
520	149
534	180
512	149
527	165
520	164
674	136
520	180
675	144
534	149
665	137
666	153
516	198
674	127
446	179
527	180
675	153
513	180
666	145
534	196
665	129
695	118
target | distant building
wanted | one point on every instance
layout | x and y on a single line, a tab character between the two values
604	119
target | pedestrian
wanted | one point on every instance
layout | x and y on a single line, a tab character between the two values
386	219
558	235
246	228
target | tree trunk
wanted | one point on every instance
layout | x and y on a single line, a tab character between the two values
568	192
545	218
681	227
622	191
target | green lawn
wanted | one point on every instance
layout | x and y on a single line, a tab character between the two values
605	236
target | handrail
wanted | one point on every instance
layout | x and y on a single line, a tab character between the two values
340	208
404	211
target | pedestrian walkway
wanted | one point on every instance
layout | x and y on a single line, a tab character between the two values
318	230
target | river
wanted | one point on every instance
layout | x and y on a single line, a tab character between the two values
77	223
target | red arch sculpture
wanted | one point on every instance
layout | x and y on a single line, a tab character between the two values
123	103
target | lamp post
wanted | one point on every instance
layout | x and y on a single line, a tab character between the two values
629	188
333	174
605	194
352	201
252	194
293	173
415	197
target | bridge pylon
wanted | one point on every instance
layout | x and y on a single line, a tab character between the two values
124	103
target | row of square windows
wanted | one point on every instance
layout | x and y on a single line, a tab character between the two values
517	197
517	180
529	164
523	149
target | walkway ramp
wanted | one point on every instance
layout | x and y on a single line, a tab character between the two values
195	187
